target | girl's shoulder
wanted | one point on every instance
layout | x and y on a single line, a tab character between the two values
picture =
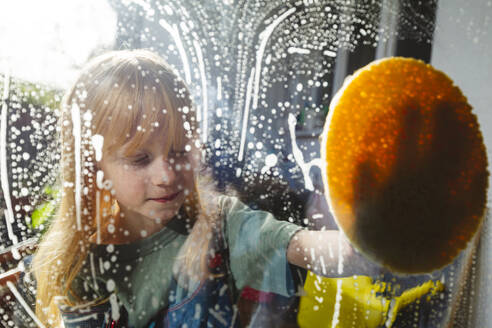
225	202
230	205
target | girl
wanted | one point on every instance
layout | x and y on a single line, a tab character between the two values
137	240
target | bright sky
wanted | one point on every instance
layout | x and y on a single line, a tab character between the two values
46	41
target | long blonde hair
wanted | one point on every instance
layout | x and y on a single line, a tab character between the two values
122	96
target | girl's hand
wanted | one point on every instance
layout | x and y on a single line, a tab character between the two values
328	253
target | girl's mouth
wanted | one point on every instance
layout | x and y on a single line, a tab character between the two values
166	199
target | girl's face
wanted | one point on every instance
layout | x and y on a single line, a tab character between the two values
150	185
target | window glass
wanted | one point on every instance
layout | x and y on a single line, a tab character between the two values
261	75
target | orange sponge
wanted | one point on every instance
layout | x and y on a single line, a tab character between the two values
405	165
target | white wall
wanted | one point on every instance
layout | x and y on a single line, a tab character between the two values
463	50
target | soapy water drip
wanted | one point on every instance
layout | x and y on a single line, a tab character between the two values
101	184
24	304
255	76
245	117
299	158
75	111
97	141
115	308
219	88
203	78
338	300
340	254
98	217
264	37
9	212
173	31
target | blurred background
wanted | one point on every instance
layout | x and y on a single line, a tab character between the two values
249	65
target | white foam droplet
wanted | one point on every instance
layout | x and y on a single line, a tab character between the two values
155	302
97	141
75	113
99	179
110	285
115	309
329	53
87	116
271	160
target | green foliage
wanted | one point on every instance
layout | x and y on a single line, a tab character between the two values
32	94
34	102
45	212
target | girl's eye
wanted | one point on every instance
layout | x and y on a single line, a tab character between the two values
139	160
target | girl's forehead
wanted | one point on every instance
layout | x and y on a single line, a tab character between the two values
157	140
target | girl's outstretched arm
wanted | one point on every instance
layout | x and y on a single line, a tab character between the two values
328	253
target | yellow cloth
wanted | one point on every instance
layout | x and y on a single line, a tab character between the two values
354	302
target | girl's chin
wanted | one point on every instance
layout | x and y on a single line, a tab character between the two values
162	220
165	215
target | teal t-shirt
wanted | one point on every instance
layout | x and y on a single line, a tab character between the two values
140	273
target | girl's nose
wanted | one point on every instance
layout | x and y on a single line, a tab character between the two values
163	173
